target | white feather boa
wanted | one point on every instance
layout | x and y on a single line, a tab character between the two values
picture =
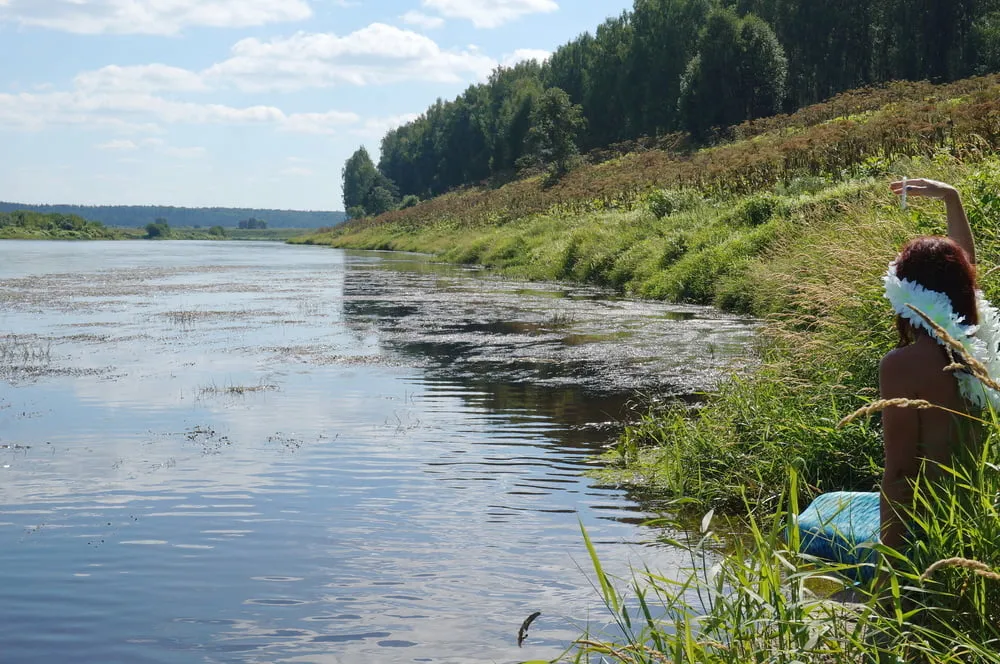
981	341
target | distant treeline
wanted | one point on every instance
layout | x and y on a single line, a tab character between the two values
688	66
138	216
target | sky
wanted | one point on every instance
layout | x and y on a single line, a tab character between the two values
239	103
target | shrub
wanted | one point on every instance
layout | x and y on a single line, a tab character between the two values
665	202
157	230
758	209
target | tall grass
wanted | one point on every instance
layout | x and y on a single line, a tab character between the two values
763	601
826	326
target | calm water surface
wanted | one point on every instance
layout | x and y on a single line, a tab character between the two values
225	452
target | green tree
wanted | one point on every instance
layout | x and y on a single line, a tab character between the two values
217	231
738	74
159	229
986	35
379	201
763	69
359	177
665	39
556	122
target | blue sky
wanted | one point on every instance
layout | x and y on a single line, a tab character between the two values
245	103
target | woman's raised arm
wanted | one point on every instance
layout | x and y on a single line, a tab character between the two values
958	222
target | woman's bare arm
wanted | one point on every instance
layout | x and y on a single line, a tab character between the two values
958	222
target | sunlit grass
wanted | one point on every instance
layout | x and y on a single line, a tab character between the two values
758	599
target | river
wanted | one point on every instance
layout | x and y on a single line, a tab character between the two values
253	452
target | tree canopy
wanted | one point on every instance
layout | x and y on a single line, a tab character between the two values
675	66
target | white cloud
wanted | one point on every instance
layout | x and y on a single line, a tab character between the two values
146	112
118	144
318	123
377	54
297	171
162	17
141	78
378	127
422	20
523	54
490	13
185	153
156	144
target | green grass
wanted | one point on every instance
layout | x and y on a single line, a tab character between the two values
757	599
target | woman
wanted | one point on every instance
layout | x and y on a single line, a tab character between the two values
936	275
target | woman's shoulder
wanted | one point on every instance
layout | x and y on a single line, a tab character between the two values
911	368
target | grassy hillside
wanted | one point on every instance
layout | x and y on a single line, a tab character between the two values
792	222
680	225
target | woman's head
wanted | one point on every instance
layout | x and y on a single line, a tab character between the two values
939	264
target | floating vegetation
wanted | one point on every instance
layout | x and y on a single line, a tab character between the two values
237	390
24	356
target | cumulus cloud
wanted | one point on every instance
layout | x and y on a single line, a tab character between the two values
490	13
523	54
144	99
422	20
319	123
118	144
157	145
374	55
377	127
162	17
146	112
142	78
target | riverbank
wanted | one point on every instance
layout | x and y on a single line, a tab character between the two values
28	225
793	224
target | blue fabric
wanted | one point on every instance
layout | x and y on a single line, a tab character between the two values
837	526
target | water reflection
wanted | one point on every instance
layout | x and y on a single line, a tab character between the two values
257	453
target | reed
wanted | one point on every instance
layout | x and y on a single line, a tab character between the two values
757	599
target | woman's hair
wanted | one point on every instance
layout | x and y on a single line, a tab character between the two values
938	264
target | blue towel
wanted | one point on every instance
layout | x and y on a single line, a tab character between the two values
841	526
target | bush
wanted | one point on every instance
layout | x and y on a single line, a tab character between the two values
665	202
158	230
758	209
410	200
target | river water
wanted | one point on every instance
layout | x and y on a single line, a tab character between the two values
252	452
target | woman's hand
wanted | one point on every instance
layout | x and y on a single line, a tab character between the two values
958	222
924	187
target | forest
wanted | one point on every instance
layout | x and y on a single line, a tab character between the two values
138	216
677	71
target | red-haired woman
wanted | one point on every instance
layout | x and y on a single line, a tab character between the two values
936	275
